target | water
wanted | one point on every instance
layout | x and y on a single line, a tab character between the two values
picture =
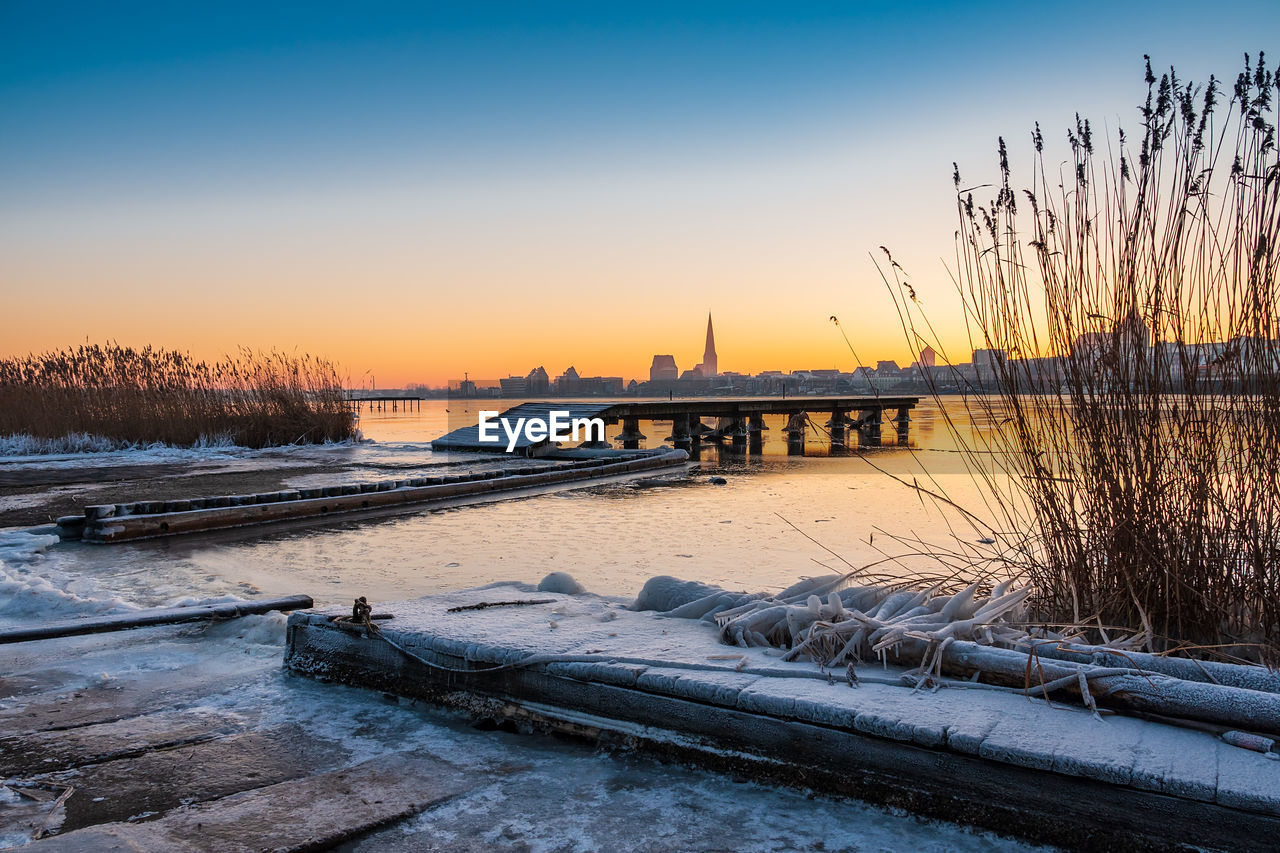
752	533
776	518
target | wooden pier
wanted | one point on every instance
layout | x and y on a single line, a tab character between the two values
107	523
739	420
387	403
975	753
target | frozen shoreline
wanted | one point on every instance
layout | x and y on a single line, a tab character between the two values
1054	771
123	717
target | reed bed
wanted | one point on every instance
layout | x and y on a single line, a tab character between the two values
109	394
1128	300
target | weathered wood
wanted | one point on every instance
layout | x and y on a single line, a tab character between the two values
157	616
155	782
314	813
108	524
1207	671
899	750
48	752
1253	710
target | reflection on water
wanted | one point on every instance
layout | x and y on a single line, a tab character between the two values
612	537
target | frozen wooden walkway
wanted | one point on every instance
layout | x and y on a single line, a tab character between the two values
986	757
108	523
193	737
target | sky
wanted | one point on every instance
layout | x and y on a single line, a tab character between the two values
422	190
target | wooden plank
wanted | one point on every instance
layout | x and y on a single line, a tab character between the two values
129	696
156	616
48	752
107	526
881	760
155	782
307	814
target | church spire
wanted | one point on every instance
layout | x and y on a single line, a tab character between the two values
709	362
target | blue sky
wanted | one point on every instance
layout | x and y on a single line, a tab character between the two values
422	151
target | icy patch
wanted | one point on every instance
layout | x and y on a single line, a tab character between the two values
265	629
33	591
82	442
190	601
25	452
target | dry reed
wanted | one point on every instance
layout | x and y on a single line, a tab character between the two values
1129	300
148	395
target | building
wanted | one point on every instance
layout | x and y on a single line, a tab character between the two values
514	386
710	365
987	364
663	369
537	381
568	382
928	358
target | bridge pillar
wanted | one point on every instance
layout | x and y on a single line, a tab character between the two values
697	429
869	430
797	425
837	425
738	434
903	423
680	432
593	443
631	435
755	432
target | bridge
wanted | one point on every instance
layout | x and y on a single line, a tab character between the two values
383	402
739	420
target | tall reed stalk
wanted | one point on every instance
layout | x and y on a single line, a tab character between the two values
152	395
1130	298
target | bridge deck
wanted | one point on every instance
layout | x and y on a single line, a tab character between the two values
737	408
727	407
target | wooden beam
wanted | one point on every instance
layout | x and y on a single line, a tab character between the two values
156	616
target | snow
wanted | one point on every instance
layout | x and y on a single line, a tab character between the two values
595	639
31	590
80	445
539	793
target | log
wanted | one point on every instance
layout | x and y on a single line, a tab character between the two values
1251	710
1204	671
106	523
156	616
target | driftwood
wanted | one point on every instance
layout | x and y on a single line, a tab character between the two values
156	616
485	605
1127	688
1245	676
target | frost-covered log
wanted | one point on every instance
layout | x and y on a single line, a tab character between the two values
1246	676
968	633
1126	687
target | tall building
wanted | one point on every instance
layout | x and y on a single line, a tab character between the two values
663	369
710	365
538	381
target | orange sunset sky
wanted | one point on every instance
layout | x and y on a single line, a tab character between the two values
416	193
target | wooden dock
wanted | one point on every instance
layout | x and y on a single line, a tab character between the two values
381	403
589	667
152	519
739	420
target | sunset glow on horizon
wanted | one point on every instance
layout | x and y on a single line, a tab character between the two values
418	192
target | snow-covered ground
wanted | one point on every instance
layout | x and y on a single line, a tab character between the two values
32	591
532	792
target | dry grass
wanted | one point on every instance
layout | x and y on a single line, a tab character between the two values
1135	486
143	396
